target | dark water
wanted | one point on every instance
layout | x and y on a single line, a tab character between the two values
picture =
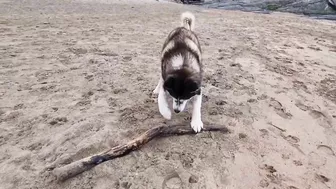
314	8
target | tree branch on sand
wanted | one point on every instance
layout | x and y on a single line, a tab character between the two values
82	165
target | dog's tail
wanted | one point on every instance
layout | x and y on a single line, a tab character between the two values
188	20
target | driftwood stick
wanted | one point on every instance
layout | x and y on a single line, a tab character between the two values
77	167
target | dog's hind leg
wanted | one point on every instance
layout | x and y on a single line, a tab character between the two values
196	121
157	88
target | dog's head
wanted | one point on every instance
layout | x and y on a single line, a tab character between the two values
182	87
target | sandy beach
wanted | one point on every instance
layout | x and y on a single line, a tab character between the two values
76	78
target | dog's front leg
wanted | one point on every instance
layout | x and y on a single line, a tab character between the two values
196	121
163	104
158	86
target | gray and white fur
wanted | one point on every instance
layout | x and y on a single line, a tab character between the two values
181	72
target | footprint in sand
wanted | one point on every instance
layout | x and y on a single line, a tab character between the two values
316	160
326	150
58	120
319	157
292	187
297	162
322	118
172	181
315	48
322	178
299	85
301	106
292	139
268	168
279	109
78	51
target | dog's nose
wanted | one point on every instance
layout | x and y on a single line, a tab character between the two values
176	110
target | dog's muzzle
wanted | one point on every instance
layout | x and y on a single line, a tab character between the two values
179	105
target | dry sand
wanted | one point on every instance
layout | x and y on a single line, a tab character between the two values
76	78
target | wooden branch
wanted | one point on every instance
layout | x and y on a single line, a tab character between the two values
77	167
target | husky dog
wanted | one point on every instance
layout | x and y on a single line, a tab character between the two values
181	69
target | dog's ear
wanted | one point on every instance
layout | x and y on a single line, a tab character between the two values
169	83
193	87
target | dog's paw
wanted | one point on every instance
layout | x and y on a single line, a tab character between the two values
166	113
196	125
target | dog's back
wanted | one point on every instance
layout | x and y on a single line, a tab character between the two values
181	50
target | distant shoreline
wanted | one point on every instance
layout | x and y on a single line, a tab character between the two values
262	8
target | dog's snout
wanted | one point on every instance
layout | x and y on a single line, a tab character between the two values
176	110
